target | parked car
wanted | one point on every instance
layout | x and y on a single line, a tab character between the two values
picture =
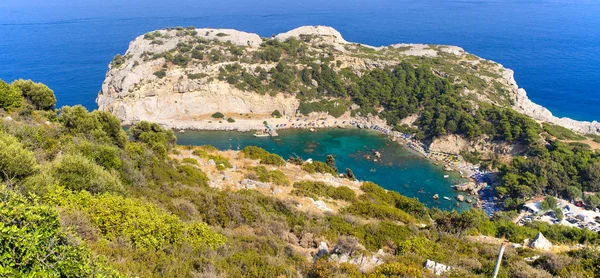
579	204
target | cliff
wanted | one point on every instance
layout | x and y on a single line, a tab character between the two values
178	77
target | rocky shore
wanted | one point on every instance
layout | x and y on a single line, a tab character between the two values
134	93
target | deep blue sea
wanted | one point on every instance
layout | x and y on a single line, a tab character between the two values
553	46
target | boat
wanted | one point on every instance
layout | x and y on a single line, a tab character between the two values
436	196
446	176
312	129
261	134
447	198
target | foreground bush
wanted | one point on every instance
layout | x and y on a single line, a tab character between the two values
140	223
33	243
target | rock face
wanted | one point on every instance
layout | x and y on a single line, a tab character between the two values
540	242
151	83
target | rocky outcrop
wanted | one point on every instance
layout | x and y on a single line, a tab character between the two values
148	83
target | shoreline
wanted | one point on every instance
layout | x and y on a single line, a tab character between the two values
448	165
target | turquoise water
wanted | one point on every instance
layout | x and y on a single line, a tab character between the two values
399	169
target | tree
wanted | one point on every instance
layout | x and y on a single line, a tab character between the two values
218	115
10	97
38	94
549	203
350	174
276	114
591	200
559	214
331	161
574	192
158	138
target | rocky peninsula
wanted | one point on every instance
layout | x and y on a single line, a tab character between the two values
188	93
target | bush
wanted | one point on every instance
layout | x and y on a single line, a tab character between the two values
190	160
276	114
230	120
142	224
315	189
38	94
15	160
160	74
265	157
276	177
76	172
160	140
10	96
318	167
218	115
35	245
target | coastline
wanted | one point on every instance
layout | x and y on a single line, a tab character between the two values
450	164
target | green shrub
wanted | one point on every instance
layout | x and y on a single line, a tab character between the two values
35	245
275	176
76	172
190	160
383	212
561	133
318	167
265	157
218	115
219	160
276	114
15	161
230	120
10	96
38	94
316	189
160	140
160	74
142	224
192	176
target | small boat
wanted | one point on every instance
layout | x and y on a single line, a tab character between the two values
446	176
436	196
312	129
261	134
447	198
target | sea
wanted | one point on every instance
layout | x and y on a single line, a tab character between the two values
553	46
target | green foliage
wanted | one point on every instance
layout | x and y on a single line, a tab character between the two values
160	140
76	172
552	169
160	74
10	96
561	133
265	157
318	167
38	94
549	203
15	161
33	243
335	108
190	160
230	120
276	114
275	176
142	224
98	126
316	189
218	115
378	211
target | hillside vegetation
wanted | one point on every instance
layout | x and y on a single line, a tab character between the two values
81	197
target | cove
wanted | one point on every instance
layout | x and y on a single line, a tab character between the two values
398	169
